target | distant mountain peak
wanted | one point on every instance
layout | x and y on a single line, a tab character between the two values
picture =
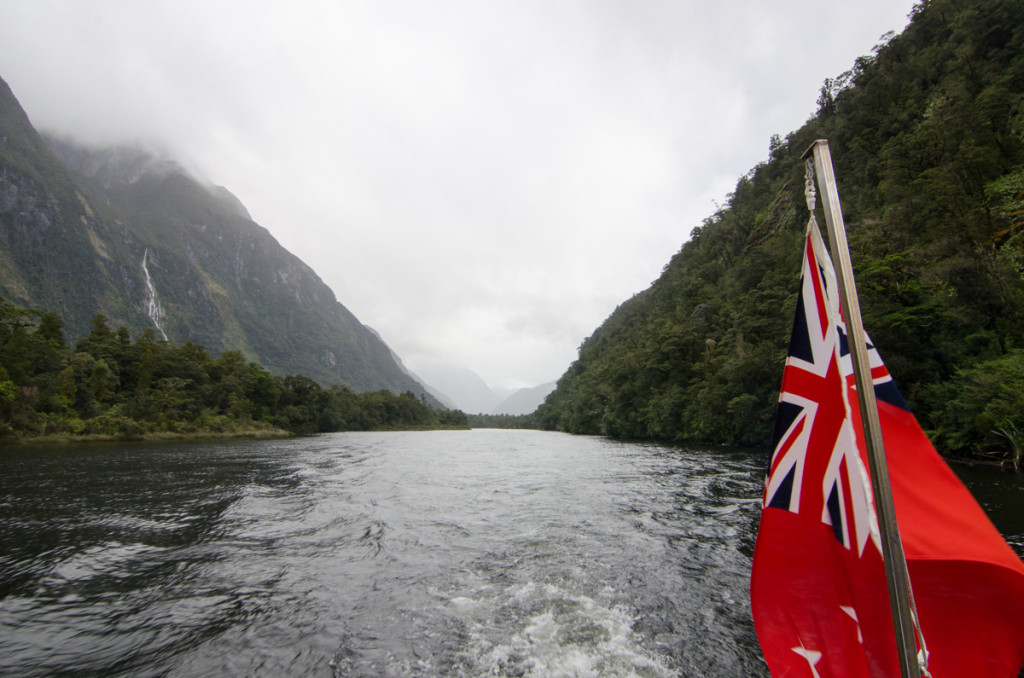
120	165
127	164
461	385
524	400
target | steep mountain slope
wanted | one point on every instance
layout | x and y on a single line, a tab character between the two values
927	136
460	385
58	250
524	400
124	233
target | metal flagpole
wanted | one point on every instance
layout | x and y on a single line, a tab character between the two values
897	576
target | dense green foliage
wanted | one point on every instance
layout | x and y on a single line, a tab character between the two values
927	137
108	385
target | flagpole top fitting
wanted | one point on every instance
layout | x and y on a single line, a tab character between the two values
809	153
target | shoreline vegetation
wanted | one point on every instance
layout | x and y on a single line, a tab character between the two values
254	433
108	387
163	436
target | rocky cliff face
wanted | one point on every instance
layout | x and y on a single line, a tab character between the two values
131	235
56	251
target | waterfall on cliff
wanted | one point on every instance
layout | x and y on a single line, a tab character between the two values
153	309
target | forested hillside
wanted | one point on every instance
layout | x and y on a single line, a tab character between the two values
927	136
110	386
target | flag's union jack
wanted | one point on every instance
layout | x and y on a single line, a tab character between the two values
814	413
818	583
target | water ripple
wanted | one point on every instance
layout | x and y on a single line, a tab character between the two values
476	553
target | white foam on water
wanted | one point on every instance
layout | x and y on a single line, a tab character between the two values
555	633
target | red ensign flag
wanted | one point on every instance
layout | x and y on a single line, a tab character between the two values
818	589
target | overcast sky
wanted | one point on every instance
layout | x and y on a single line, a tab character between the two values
480	181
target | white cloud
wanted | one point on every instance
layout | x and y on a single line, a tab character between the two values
481	182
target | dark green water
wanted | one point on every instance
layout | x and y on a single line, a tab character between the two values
509	553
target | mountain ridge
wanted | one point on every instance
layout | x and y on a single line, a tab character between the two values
524	401
77	223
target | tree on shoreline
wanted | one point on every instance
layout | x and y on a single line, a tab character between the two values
108	385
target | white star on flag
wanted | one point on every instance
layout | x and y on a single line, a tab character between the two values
812	657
